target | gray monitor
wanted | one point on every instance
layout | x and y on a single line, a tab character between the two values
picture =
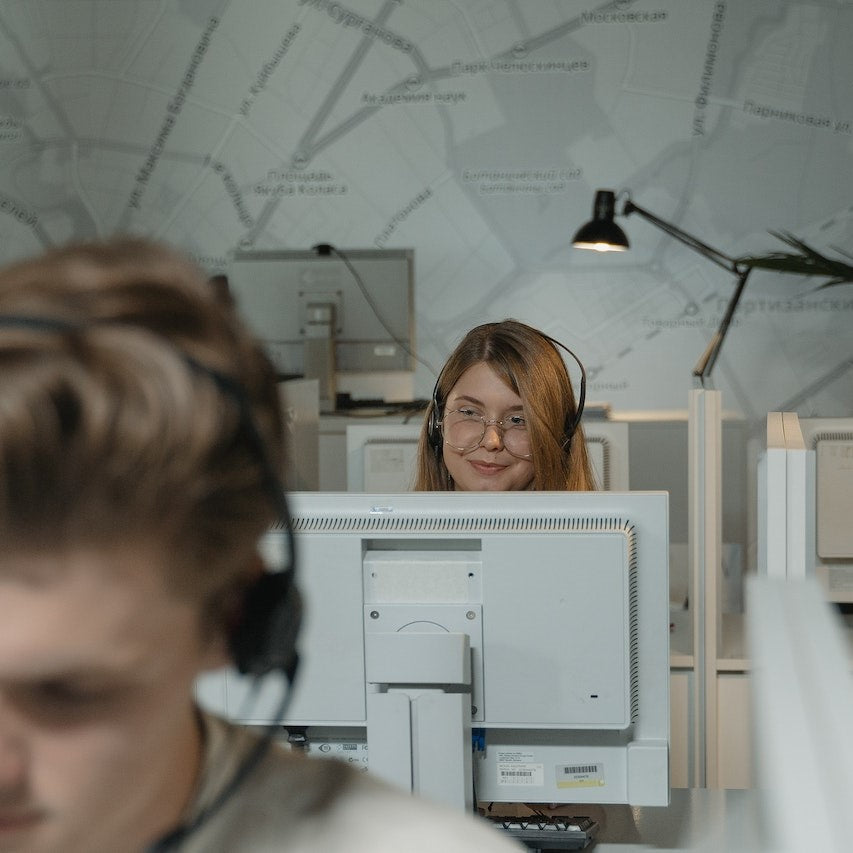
830	509
326	315
538	620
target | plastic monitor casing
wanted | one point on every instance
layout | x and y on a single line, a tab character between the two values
278	293
561	599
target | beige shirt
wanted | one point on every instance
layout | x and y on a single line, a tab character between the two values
296	804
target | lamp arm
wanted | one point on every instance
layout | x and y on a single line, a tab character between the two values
706	363
694	243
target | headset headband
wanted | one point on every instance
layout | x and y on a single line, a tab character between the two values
569	427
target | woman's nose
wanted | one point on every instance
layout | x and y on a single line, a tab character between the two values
493	436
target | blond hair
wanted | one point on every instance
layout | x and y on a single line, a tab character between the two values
112	428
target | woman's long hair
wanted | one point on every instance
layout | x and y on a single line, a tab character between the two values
530	363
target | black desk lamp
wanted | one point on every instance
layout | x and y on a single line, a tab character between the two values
602	234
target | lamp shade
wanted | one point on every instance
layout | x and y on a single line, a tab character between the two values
601	233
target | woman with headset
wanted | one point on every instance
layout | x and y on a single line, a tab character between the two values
504	417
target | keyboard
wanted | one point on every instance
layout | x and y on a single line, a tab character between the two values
549	833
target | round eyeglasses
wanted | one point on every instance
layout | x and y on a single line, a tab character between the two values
465	429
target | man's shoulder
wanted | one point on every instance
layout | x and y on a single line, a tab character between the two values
297	804
381	818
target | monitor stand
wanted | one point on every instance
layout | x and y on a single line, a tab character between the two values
418	727
319	350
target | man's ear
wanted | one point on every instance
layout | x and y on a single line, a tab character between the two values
216	654
224	612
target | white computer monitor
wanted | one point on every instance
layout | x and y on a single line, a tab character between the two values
381	457
829	442
607	446
345	317
802	693
553	606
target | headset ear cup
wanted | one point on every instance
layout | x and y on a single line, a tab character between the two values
434	420
265	639
569	427
433	429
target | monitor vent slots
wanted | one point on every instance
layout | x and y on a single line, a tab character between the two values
388	522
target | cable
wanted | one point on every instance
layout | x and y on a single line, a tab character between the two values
174	839
326	249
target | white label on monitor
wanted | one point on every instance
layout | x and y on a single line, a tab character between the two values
385	350
518	768
839	580
580	775
351	752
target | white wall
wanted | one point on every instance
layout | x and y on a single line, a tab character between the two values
475	132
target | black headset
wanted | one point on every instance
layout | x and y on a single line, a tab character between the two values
264	639
572	420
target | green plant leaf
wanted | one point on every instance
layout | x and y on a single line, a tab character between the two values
805	261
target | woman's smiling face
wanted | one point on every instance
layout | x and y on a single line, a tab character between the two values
489	466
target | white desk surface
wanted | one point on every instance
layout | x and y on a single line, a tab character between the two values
697	819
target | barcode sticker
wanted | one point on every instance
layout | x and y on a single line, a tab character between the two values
580	775
513	773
